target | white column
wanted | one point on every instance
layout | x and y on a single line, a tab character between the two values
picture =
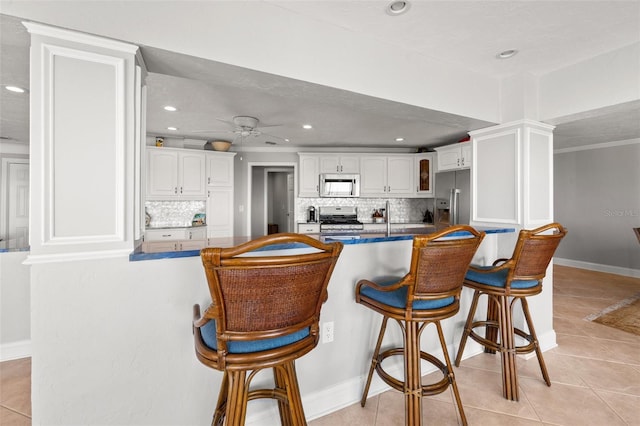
83	138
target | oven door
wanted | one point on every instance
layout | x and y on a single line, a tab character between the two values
339	186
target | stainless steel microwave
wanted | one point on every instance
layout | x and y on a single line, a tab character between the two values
339	185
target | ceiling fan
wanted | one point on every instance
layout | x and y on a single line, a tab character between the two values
243	127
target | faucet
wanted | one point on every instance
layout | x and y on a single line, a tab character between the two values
387	212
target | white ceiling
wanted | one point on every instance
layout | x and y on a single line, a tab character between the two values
549	35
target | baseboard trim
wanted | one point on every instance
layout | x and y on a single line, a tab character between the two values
15	350
618	270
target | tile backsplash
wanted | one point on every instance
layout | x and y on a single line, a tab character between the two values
173	213
402	209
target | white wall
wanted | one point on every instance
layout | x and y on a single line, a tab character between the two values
15	312
597	197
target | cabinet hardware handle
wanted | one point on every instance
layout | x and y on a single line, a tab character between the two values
166	235
208	194
181	190
175	190
209	180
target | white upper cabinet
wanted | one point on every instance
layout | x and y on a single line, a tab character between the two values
339	163
220	169
386	176
175	174
309	176
453	157
424	166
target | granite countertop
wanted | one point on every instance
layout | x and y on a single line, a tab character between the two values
151	228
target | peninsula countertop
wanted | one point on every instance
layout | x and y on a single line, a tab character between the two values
347	238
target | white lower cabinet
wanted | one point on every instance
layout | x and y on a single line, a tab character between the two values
174	239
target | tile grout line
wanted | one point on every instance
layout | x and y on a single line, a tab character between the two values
15	411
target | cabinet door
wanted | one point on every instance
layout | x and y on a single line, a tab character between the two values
219	170
220	212
308	228
424	174
329	164
162	173
373	176
309	176
191	173
400	175
448	158
465	155
192	245
160	247
350	164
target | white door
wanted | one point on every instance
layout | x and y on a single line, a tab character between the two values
18	205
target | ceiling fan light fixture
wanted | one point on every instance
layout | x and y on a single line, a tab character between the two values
397	7
506	54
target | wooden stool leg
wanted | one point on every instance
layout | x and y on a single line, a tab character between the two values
412	378
452	378
279	377
508	351
296	416
532	332
491	333
467	326
374	361
218	415
237	399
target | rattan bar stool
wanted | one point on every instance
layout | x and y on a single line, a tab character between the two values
429	293
265	313
507	281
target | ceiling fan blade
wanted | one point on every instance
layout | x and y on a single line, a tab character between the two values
212	131
269	125
273	136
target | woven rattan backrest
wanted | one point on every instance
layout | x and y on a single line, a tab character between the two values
264	295
439	265
534	251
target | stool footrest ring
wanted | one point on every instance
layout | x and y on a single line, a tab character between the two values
429	389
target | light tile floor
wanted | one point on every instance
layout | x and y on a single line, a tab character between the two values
595	373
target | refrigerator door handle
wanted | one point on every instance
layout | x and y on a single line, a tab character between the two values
454	211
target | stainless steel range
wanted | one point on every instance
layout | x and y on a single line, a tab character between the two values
339	219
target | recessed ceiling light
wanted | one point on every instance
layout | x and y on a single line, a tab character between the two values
172	128
170	108
307	126
399	139
15	89
398	7
506	54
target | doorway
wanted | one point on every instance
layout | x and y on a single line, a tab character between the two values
271	201
14	216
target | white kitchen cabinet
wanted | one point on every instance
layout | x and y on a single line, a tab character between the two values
220	168
424	166
219	212
175	174
339	163
386	176
308	228
309	176
174	239
454	157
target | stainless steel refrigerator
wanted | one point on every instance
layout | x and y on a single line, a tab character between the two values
453	197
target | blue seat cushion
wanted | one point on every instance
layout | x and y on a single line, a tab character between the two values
235	347
497	279
398	298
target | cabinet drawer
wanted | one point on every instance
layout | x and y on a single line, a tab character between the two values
196	233
308	228
166	235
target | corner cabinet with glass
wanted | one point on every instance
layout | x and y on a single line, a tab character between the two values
424	169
